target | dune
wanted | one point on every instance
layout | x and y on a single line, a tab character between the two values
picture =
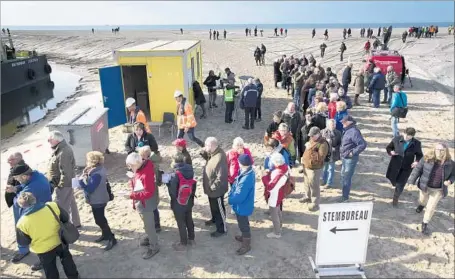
396	247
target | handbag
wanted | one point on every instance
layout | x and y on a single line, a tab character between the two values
68	232
400	112
109	190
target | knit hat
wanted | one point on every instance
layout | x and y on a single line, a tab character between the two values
314	131
245	160
20	169
179	143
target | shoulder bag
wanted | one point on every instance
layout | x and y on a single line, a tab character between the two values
400	112
68	232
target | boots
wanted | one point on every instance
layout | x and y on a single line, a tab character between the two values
425	229
370	97
111	243
356	100
396	196
246	246
102	238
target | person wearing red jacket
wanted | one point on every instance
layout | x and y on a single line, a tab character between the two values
274	183
238	148
145	199
367	47
332	106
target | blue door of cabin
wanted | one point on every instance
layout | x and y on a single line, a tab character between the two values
113	97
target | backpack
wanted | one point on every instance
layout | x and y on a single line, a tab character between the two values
185	189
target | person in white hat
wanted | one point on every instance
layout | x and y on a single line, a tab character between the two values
186	122
136	114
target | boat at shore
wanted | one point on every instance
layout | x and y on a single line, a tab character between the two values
21	68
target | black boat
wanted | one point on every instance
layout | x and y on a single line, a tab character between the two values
20	68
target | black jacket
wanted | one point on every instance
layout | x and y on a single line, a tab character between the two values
272	128
173	185
210	81
346	76
276	71
147	139
399	168
198	94
293	123
187	157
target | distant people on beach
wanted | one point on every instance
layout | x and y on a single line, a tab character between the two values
262	31
255	31
286	32
326	34
313	33
275	32
210	34
181	31
281	31
224	34
93	31
4	31
115	30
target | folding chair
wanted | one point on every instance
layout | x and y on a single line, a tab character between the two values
168	122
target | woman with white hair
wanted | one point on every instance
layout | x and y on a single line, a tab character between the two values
391	79
433	174
343	96
144	199
284	136
238	148
274	193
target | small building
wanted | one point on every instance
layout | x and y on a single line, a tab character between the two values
150	73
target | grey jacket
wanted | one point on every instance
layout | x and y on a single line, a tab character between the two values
334	140
215	174
61	168
421	175
97	194
359	84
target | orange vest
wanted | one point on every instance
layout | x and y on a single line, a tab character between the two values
140	117
185	119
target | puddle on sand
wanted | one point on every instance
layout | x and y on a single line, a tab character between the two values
32	103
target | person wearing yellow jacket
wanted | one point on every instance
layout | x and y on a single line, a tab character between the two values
39	228
185	118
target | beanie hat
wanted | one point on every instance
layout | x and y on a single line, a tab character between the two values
245	160
179	143
20	169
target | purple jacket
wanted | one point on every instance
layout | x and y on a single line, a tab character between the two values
352	141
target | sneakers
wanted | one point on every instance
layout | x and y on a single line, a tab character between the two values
313	207
239	238
216	234
150	253
273	235
18	257
178	246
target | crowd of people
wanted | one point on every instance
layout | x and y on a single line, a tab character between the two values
311	134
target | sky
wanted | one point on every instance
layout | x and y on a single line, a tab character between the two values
35	13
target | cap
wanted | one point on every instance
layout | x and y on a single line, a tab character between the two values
179	143
129	102
314	131
178	93
347	118
20	169
245	160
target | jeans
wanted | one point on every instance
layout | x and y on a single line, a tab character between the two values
218	213
394	124
17	214
101	221
327	173
297	98
345	88
212	98
284	81
190	135
244	226
249	118
388	92
49	262
376	97
347	171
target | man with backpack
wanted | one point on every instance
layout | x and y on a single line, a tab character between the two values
182	189
314	157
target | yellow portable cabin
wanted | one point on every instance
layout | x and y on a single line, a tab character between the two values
150	73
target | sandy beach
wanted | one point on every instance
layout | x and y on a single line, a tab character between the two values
396	249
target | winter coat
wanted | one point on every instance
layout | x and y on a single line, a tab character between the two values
338	117
377	82
399	168
334	140
276	71
421	175
345	98
352	142
279	149
144	193
332	110
399	100
359	84
9	197
187	157
215	174
391	79
257	53
199	97
293	121
273	185
174	183
132	142
320	147
233	163
95	187
346	78
39	186
319	120
241	196
249	96
210	82
260	88
287	142
62	166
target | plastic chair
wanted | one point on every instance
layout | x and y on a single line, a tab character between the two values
168	122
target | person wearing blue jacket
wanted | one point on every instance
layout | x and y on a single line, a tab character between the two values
35	183
274	146
377	84
352	144
241	199
399	100
342	111
248	102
